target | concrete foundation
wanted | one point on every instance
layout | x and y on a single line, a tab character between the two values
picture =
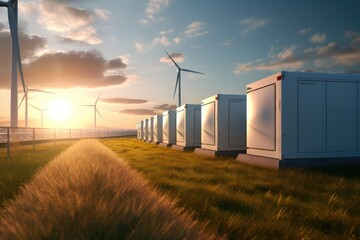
297	163
165	145
182	148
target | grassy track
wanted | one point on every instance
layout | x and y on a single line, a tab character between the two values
246	202
88	192
22	166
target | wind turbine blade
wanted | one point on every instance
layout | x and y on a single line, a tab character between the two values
85	105
22	99
15	41
37	90
97	98
177	83
172	60
98	112
35	107
187	70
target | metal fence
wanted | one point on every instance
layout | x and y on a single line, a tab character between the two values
9	135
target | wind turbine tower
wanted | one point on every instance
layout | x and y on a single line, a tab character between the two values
27	90
178	77
96	111
12	7
42	114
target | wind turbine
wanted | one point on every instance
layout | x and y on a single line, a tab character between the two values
95	110
12	7
178	77
27	90
42	114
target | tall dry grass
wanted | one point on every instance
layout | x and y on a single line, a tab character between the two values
87	192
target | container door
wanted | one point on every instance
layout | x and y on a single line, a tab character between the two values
208	123
341	116
180	126
237	123
197	127
261	111
166	128
311	116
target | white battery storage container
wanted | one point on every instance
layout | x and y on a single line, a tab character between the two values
223	124
188	126
150	129
138	130
142	127
169	127
158	125
146	129
309	118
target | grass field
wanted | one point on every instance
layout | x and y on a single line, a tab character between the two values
88	192
246	202
23	164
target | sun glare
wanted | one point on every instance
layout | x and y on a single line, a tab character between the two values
60	110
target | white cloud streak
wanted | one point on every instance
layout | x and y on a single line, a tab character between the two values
318	38
196	29
252	24
346	57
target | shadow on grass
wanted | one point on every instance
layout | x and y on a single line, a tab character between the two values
349	172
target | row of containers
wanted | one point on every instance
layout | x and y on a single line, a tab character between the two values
289	119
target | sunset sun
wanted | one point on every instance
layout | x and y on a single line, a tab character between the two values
60	110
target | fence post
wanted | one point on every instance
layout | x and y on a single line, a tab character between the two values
33	139
8	144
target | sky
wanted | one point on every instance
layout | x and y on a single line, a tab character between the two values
116	48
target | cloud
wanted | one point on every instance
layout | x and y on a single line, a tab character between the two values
157	109
318	38
84	35
163	40
143	21
305	30
345	58
116	63
196	29
104	14
177	40
59	17
252	24
165	107
227	42
84	69
29	47
27	8
153	7
285	59
354	36
178	57
142	47
123	100
333	54
138	111
72	24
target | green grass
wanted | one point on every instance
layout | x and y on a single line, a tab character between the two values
23	164
88	192
245	202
